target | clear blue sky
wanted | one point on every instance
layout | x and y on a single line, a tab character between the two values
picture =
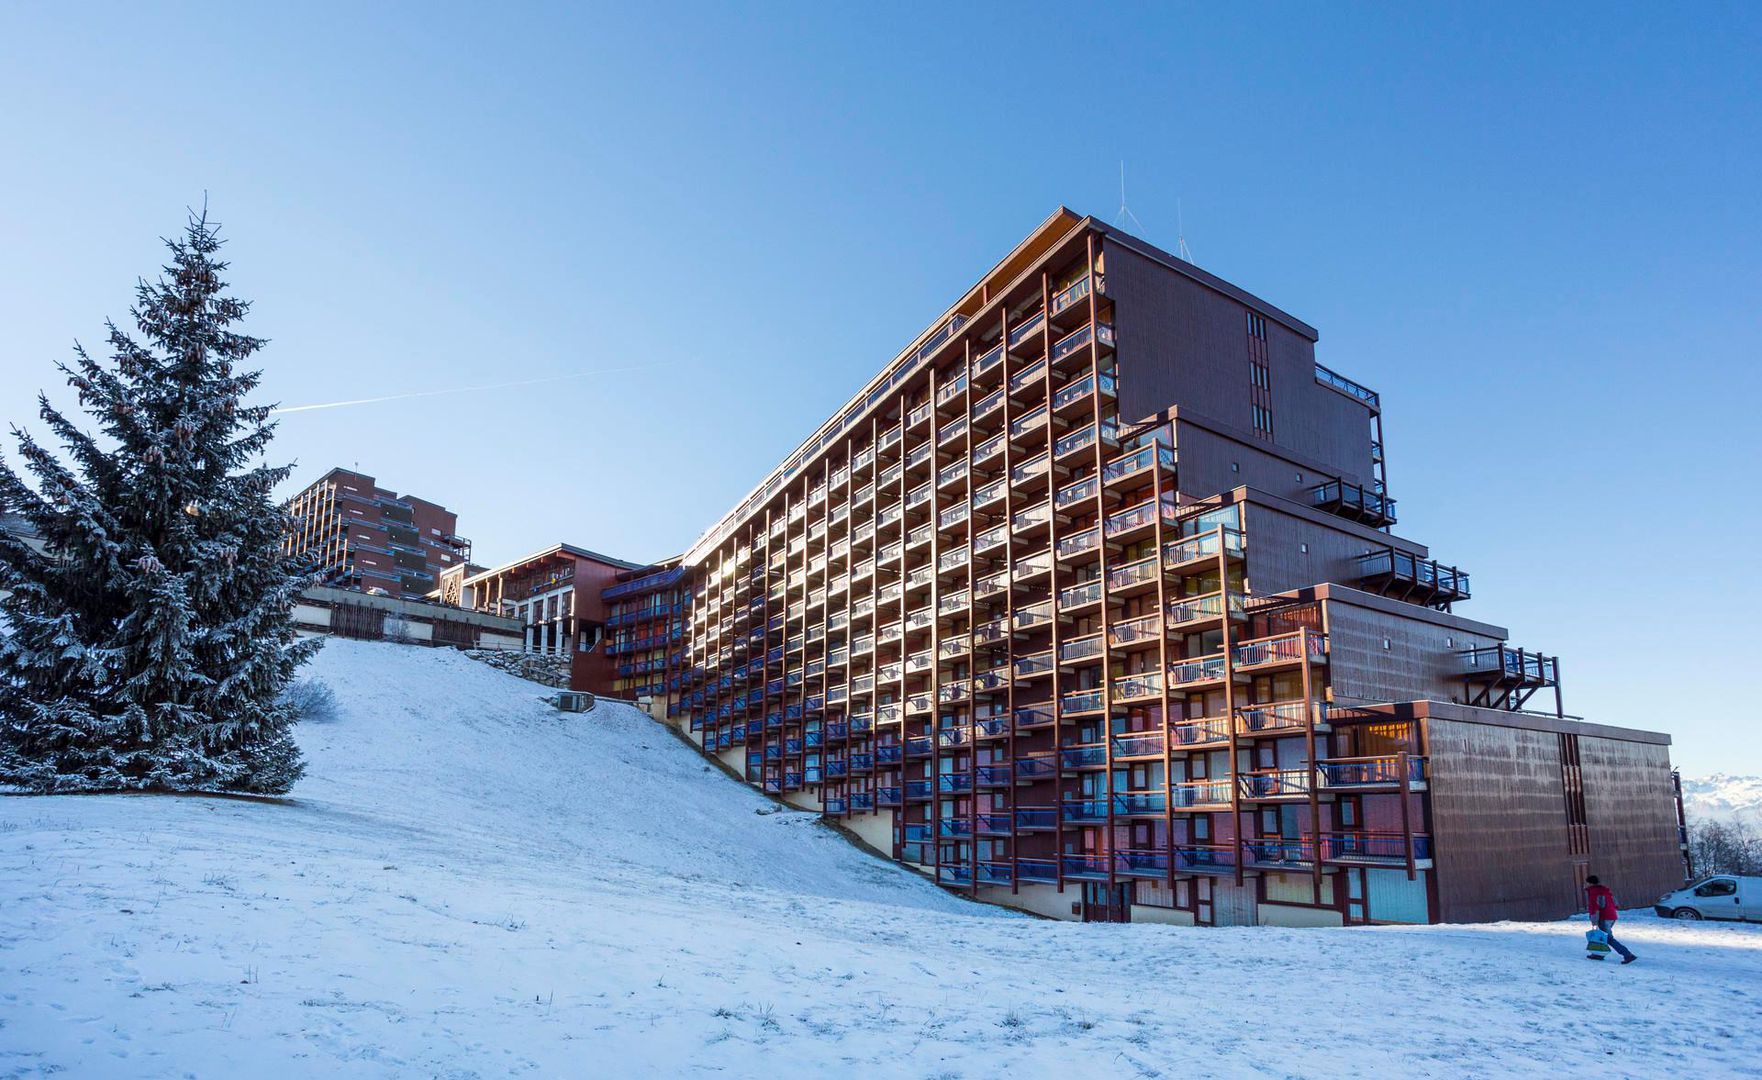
1534	229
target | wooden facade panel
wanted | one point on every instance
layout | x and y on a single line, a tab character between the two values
1631	809
1188	343
1421	662
1277	561
1189	346
1499	824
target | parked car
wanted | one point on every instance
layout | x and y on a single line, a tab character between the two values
1722	896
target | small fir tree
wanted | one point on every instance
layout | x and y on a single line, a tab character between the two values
148	647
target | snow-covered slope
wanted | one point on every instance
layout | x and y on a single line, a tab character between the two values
1724	797
470	884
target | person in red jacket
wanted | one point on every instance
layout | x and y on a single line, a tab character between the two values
1604	913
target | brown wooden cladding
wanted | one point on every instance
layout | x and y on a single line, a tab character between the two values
1631	809
1499	824
1189	346
1277	561
1500	818
1421	662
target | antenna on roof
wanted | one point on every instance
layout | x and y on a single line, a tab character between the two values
1125	213
1181	247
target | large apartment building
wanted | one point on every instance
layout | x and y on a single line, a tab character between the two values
359	535
1091	603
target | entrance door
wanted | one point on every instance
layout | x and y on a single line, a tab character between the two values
1104	904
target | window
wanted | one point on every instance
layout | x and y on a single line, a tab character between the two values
1718	887
1260	378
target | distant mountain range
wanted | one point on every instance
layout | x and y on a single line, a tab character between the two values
1722	796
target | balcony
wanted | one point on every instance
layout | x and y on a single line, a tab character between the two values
1080	391
1403	576
1137	633
954	783
1201	795
1148	864
991	727
952	389
991	682
888	796
919	790
994	824
1077	493
1080	650
1071	344
1038	871
1029	381
1081	703
1084	757
1204	670
1086	867
1034	666
1079	596
1034	615
1034	767
993	776
1140	803
1027	471
1282	650
1159	455
988	361
1375	848
1073	548
1138	745
1028	336
1274	784
1134	577
1353	501
1036	818
1135	521
1142	686
1194	612
1200	553
1200	731
1385	772
1334	380
1205	859
995	492
1279	854
1034	716
1084	438
1280	718
1069	297
988	449
1084	811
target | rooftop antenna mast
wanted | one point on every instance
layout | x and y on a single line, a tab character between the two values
1181	247
1125	215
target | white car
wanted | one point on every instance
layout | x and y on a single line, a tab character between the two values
1722	896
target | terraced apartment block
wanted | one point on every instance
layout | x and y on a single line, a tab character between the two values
358	535
1091	603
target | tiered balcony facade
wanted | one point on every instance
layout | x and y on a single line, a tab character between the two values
978	609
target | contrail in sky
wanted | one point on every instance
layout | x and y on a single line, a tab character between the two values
456	390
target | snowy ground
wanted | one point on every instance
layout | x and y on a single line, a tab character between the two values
470	884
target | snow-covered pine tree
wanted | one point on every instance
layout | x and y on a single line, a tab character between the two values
147	649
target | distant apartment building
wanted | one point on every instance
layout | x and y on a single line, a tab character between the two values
1091	603
358	535
556	594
